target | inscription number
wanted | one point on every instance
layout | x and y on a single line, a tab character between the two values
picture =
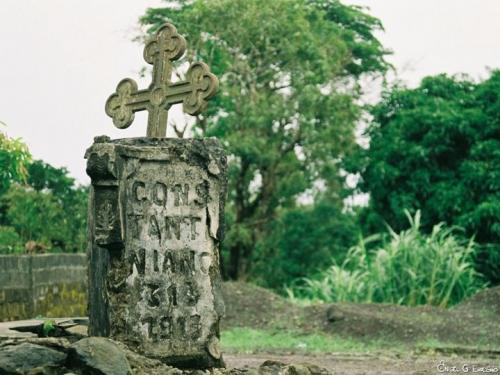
164	328
189	295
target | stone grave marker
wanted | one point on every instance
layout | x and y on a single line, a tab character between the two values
156	220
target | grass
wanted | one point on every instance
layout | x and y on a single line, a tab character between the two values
248	340
413	268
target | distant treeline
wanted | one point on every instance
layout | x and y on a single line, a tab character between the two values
41	207
287	113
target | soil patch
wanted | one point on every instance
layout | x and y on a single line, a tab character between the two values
474	323
248	305
375	364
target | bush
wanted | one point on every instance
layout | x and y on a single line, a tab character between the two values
411	269
42	217
436	148
14	158
10	242
49	210
300	241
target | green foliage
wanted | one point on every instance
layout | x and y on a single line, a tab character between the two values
43	176
36	216
300	241
10	242
287	105
48	327
72	198
50	210
411	269
437	148
14	157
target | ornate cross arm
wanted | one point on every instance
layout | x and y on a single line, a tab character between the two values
199	86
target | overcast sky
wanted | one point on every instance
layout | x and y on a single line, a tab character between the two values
61	59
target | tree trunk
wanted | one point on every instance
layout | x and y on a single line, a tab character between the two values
234	261
238	267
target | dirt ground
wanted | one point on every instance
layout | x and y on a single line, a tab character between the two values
462	339
375	364
475	323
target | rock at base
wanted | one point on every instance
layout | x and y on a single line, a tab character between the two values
19	359
280	368
102	356
97	355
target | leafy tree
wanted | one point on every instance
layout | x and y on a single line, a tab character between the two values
10	242
35	216
72	198
49	210
44	176
14	157
437	148
287	105
43	217
303	241
38	202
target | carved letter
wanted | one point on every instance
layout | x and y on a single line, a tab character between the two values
139	195
155	261
150	322
186	262
191	294
166	326
168	262
140	261
202	193
154	295
181	326
205	262
192	221
195	327
172	295
154	229
180	194
173	224
160	194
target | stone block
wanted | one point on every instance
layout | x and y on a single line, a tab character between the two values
155	226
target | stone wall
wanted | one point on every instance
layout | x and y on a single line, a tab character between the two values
48	285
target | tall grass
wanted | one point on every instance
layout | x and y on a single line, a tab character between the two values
411	268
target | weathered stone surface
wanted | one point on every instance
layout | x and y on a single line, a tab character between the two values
19	359
155	225
97	355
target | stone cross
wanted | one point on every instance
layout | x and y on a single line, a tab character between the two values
200	85
156	221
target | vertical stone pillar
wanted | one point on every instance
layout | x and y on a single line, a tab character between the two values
155	226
